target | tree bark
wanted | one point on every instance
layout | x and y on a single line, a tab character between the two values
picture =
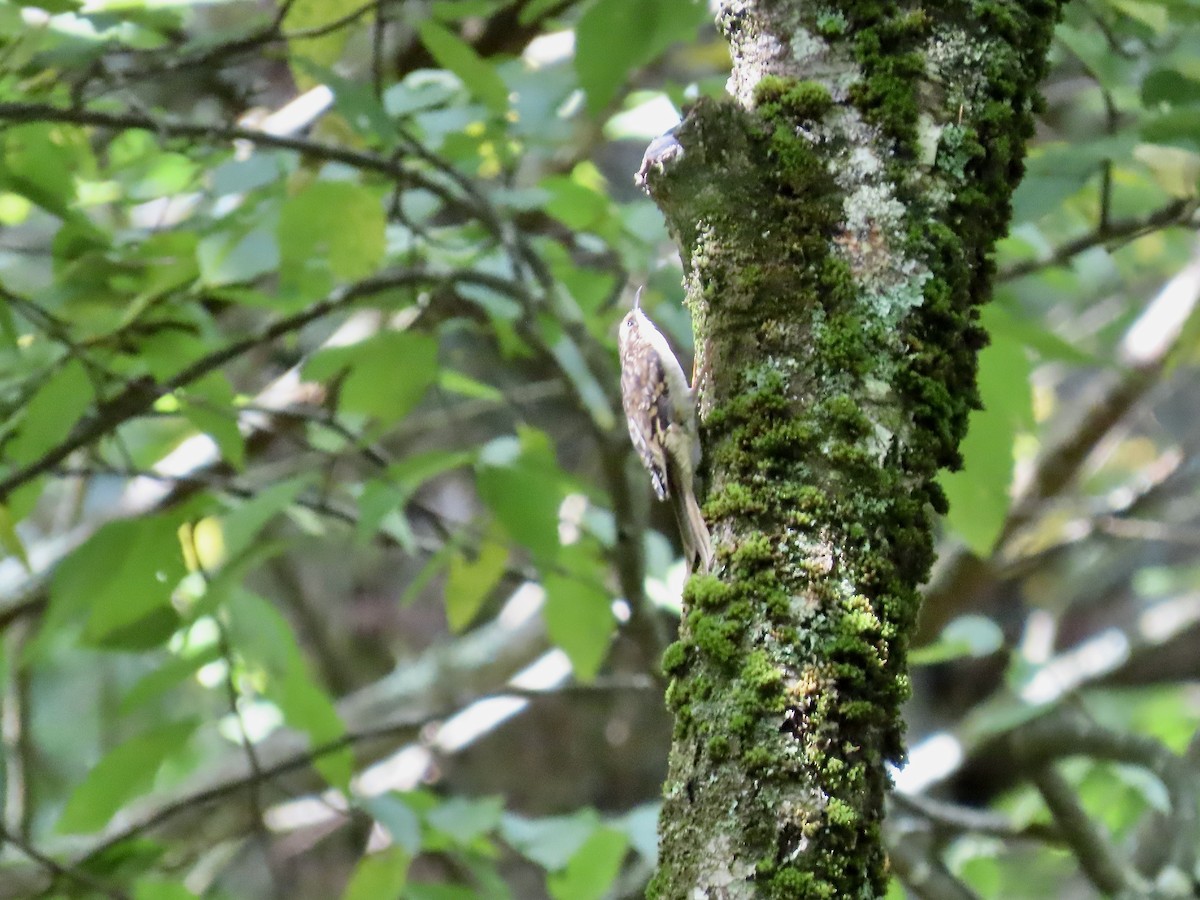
835	217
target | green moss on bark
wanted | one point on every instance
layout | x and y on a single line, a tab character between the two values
839	384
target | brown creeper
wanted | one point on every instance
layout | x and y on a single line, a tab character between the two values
660	409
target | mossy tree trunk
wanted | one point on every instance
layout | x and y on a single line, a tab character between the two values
835	219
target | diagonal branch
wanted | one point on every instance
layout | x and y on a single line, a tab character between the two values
139	395
170	126
1121	231
1065	733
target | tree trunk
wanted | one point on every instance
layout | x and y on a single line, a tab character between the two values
835	219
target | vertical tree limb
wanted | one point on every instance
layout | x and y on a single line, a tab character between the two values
835	218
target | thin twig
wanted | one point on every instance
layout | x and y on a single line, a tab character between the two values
258	780
958	820
1096	854
1067	732
922	872
216	132
62	870
1121	231
139	395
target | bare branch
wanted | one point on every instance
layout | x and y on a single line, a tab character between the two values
220	133
139	395
1097	856
58	870
1146	349
1065	733
1114	233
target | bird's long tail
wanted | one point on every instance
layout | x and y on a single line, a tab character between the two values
697	544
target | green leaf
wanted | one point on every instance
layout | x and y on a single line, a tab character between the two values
125	772
1058	171
1036	337
236	256
1092	48
549	842
260	633
121	577
209	405
469	582
433	566
240	527
334	227
579	619
379	876
9	539
385	376
414	470
592	869
463	820
972	636
1154	15
325	49
477	75
52	6
356	102
571	360
51	413
420	90
979	494
441	892
576	205
458	383
1169	85
398	817
41	161
380	499
519	481
616	36
173	671
152	888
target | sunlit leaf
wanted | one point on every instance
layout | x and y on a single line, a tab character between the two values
979	493
39	161
331	226
379	875
593	868
306	17
470	581
972	636
384	376
575	205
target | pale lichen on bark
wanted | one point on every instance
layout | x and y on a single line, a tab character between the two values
835	219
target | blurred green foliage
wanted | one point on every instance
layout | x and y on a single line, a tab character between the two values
307	369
